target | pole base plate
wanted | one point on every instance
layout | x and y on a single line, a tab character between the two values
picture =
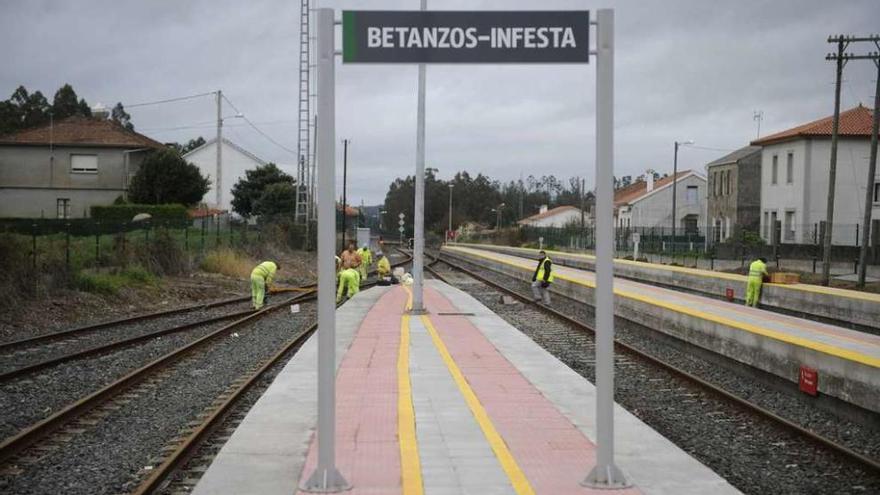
325	481
607	477
417	312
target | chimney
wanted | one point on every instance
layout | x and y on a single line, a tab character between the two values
100	112
542	209
649	177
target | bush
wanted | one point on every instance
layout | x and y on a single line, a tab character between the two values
229	262
164	177
16	277
119	213
110	283
163	254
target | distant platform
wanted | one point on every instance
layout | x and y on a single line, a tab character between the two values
455	402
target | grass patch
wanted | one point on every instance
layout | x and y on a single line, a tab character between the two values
111	282
229	262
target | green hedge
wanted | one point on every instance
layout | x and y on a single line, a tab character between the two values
165	214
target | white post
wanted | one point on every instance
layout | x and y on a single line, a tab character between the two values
605	474
418	306
326	478
219	179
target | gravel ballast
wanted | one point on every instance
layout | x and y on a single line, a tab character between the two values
106	457
754	454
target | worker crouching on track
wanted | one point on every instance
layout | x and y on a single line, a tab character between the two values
757	272
366	261
349	284
261	281
542	279
383	269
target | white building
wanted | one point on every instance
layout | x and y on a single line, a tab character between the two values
648	204
560	216
794	180
235	159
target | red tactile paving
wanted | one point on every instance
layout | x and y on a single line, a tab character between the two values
367	451
554	455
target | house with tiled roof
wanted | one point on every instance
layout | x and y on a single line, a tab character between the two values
647	203
560	216
735	193
61	169
795	165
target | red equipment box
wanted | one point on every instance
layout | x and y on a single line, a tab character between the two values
809	380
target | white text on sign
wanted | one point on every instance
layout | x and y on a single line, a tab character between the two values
458	37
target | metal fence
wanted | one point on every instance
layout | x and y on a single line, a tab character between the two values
88	243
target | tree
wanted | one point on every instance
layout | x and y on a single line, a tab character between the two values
164	177
66	104
189	146
121	117
277	198
248	191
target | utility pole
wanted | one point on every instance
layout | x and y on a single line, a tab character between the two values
583	186
758	116
842	43
344	188
872	171
219	185
449	230
522	193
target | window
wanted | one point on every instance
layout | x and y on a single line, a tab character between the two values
877	192
62	207
789	168
789	225
690	224
715	184
766	225
721	191
691	195
84	164
727	190
774	170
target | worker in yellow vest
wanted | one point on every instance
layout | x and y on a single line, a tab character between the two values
542	279
383	266
261	281
366	261
757	272
349	284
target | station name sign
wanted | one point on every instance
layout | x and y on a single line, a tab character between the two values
413	37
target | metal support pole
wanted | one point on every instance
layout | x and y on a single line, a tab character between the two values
674	193
326	478
872	171
418	306
219	180
344	188
832	169
449	230
605	474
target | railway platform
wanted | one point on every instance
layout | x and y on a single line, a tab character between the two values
841	307
457	401
846	362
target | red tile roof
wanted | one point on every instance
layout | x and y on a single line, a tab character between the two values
638	189
80	131
548	213
855	122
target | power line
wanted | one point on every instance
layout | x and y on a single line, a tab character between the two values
260	131
170	100
708	148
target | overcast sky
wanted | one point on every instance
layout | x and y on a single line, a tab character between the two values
691	69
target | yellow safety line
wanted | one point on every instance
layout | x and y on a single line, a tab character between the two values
809	344
831	291
517	478
410	464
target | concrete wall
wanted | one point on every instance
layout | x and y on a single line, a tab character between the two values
235	163
32	179
655	209
561	219
806	196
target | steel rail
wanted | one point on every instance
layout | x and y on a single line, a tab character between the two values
188	447
117	344
28	436
843	450
62	334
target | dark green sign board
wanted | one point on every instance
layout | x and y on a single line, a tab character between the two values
413	37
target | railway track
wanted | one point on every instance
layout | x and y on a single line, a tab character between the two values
631	359
36	443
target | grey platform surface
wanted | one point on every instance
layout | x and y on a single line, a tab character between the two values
267	452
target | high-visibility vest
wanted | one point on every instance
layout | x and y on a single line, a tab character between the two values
757	270
541	266
265	270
